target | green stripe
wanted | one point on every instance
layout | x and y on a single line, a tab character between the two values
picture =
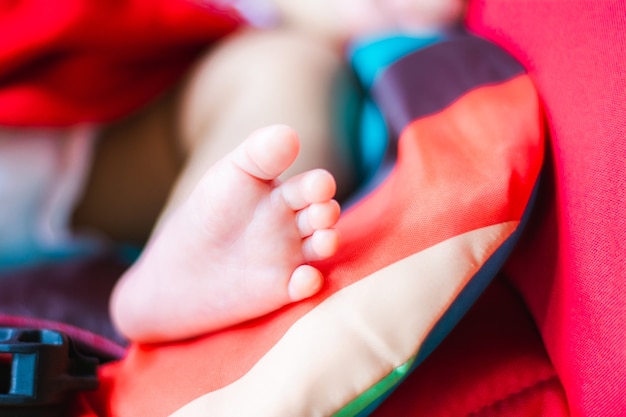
368	400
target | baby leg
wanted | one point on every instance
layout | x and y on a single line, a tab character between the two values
260	78
148	163
236	248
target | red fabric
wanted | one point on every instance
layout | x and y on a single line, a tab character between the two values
492	364
571	267
69	61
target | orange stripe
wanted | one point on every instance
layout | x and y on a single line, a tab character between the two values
472	165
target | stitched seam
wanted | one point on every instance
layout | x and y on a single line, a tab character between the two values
518	393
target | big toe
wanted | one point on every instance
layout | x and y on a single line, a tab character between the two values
268	152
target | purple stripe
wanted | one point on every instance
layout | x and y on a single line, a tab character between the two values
430	79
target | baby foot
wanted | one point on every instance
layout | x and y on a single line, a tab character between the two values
236	249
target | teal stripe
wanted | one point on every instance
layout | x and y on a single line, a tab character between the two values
369	57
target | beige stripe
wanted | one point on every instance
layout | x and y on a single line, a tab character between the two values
355	337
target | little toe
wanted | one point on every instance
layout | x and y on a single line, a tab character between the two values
317	216
305	282
322	244
267	152
315	186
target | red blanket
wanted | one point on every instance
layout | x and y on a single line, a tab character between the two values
69	61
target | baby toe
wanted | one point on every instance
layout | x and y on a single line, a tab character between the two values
314	186
320	245
305	282
317	216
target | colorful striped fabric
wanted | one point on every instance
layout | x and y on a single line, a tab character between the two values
467	129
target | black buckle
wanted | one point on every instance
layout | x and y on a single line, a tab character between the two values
39	371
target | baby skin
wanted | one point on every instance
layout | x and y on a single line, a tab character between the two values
236	249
